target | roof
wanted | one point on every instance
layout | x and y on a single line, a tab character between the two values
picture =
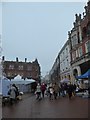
18	80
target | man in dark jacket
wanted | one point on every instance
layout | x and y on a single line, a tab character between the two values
70	90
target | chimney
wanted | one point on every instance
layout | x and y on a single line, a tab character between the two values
79	16
3	58
83	14
76	17
74	24
16	59
25	59
68	32
86	9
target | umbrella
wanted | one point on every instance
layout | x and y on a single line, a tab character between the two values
65	81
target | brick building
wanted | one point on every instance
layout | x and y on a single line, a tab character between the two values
80	43
26	69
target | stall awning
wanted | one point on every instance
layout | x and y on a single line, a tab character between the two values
85	75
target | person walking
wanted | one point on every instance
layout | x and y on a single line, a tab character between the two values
12	93
17	90
47	90
51	92
38	91
43	88
56	90
70	90
63	89
74	90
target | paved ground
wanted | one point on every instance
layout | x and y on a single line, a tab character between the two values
29	107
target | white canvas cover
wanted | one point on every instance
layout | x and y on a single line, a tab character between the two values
23	85
5	86
18	80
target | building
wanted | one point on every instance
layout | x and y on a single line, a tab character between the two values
26	69
65	59
80	43
74	57
54	75
61	68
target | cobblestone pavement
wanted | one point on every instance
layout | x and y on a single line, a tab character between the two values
29	107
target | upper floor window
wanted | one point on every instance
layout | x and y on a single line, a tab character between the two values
74	40
11	66
20	67
77	54
61	58
66	51
73	56
29	68
80	51
63	54
88	29
87	46
84	31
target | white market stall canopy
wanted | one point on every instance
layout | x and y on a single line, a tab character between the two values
18	80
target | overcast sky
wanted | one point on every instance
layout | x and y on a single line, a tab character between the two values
37	30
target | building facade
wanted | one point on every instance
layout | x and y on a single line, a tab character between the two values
74	57
54	75
65	67
25	69
80	43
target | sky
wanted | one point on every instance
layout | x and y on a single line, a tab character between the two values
37	30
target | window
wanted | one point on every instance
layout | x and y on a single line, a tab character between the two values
74	40
61	57
73	56
84	31
29	68
11	66
67	52
87	46
76	53
66	68
80	51
9	74
88	29
67	64
20	67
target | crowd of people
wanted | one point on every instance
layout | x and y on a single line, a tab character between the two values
54	90
50	90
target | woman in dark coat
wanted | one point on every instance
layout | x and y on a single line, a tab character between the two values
70	90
